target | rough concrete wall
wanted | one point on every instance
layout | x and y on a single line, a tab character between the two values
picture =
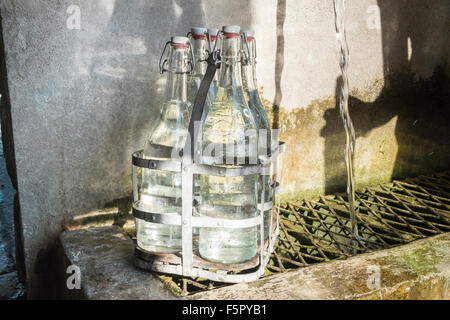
82	100
397	102
383	36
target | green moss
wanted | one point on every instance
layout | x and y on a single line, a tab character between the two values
418	261
396	137
422	260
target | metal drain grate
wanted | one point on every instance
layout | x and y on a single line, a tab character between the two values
319	231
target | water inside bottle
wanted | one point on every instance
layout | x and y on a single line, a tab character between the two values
228	197
161	190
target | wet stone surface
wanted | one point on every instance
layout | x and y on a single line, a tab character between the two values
104	256
418	270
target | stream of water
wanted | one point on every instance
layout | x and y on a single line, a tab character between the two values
339	9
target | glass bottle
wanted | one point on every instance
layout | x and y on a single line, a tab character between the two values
200	46
259	114
227	131
161	190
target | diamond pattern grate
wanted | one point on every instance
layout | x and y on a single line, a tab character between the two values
314	231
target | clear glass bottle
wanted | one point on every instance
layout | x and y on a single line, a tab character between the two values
161	190
200	47
228	126
259	113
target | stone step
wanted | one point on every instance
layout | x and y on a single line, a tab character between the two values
418	270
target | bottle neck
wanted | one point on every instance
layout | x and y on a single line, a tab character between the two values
249	68
199	46
178	68
215	46
230	67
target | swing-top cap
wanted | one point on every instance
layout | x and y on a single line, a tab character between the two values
249	33
231	29
212	31
198	30
180	40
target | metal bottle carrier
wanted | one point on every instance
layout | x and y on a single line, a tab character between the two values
188	262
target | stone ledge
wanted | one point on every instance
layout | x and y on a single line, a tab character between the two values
105	258
418	270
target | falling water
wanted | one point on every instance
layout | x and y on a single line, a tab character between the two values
339	9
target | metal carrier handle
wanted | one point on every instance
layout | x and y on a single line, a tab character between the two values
197	110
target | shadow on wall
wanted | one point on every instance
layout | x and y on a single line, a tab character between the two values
128	79
126	87
123	71
419	106
115	65
10	160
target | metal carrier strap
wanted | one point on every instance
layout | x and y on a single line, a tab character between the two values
221	171
175	219
186	166
164	165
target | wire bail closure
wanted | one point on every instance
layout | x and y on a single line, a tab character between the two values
246	54
162	62
213	49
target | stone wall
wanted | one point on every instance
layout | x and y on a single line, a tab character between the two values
82	99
